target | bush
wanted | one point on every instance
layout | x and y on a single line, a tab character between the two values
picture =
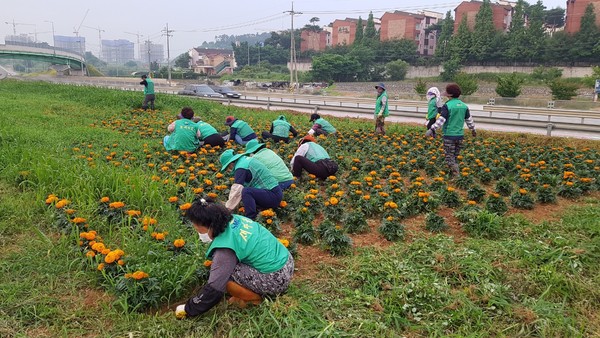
397	70
546	74
562	90
485	225
451	68
509	85
421	87
466	82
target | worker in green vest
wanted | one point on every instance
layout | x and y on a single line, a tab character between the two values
184	133
247	261
280	130
320	126
434	106
272	161
239	131
381	109
453	116
313	158
209	135
148	92
253	184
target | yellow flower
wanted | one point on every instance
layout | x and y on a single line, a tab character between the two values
522	191
333	201
285	242
471	202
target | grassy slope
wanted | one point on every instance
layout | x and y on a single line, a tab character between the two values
537	279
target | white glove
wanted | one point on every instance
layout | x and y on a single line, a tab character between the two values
429	133
380	115
180	311
310	132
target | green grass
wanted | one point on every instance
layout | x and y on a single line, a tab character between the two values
537	279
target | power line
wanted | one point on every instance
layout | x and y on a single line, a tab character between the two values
407	8
240	25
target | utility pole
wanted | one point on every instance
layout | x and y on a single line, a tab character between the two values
148	44
53	36
168	34
293	70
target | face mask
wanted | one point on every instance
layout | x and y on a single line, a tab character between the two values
204	238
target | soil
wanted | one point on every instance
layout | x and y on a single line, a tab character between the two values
311	258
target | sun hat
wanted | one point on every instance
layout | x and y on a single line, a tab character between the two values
253	145
307	138
229	120
228	157
380	85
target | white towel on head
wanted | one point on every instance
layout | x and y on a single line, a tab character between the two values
435	92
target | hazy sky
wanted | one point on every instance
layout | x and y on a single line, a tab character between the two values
192	22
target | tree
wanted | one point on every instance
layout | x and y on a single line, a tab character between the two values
183	61
313	21
460	43
587	37
536	38
334	67
451	68
516	38
371	36
467	83
390	50
130	64
554	17
447	29
358	37
366	58
484	33
396	70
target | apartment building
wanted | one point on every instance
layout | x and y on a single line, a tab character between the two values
575	10
501	13
413	26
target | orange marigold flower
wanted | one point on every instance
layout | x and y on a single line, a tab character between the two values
133	213
471	202
159	236
178	243
121	262
104	199
283	204
70	211
367	197
62	203
98	247
212	195
173	199
110	258
139	275
285	242
100	267
207	263
185	206
90	254
522	191
116	205
333	201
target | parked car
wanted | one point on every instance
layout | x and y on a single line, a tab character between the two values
199	90
226	91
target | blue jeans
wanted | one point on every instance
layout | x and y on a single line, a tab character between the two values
254	198
286	184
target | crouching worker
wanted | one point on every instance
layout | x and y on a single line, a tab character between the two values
184	133
313	158
239	131
280	130
272	161
209	135
248	262
320	126
253	184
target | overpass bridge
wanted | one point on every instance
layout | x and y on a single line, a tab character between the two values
51	55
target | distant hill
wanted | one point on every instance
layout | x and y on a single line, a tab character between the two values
224	41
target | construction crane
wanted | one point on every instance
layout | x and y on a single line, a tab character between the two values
99	37
14	24
138	42
76	31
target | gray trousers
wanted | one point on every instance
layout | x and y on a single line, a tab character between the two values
451	151
148	98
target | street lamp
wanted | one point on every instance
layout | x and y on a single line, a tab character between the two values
53	36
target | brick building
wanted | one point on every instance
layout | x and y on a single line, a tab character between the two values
575	10
501	13
344	31
403	25
313	40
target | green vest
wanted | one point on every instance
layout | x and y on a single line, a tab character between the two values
149	88
206	129
261	176
281	128
184	136
275	164
386	111
253	245
455	124
243	129
325	125
432	109
316	152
